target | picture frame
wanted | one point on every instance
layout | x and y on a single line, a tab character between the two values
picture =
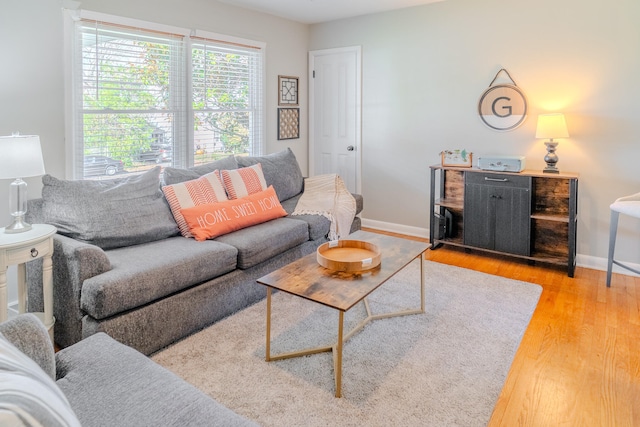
288	123
288	89
457	158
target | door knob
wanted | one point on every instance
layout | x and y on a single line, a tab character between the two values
350	148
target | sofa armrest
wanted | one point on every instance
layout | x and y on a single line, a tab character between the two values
73	263
30	336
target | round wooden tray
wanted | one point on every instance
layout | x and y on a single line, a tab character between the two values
348	255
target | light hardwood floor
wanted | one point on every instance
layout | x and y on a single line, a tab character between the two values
579	361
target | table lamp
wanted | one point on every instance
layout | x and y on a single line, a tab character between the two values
20	157
551	126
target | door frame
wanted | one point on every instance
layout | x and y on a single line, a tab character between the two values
358	143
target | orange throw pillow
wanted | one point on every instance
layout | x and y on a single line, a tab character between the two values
206	189
215	219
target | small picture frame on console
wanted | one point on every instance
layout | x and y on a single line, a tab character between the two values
459	158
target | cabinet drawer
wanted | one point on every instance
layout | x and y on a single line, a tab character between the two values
498	180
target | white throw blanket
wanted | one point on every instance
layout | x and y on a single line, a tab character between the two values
327	195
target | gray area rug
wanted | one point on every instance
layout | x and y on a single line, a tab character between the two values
445	367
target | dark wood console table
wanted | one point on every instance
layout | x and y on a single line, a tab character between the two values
530	214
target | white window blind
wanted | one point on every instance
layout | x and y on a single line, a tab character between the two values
131	97
226	98
143	97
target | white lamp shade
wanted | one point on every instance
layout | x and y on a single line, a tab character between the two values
552	126
20	156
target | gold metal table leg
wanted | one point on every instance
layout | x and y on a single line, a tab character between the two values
268	347
338	360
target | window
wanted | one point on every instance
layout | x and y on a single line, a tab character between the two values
226	96
145	94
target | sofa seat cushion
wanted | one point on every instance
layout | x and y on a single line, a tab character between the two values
110	384
261	242
318	225
144	273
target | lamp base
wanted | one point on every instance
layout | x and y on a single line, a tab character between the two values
551	158
17	226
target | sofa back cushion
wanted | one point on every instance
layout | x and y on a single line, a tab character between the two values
174	175
280	169
109	213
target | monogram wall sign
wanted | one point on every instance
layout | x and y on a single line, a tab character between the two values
503	107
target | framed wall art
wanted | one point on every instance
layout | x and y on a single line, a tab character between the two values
288	90
288	123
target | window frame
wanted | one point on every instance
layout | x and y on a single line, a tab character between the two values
184	157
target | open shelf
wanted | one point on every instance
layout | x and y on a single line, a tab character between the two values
451	203
547	217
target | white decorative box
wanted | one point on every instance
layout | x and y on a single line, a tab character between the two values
501	163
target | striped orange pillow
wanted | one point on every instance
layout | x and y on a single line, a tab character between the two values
242	182
205	190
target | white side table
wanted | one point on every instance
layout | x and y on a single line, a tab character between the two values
18	249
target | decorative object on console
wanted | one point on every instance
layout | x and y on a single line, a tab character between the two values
460	158
501	163
551	126
20	157
288	90
502	107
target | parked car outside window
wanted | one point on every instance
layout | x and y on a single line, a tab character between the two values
158	153
102	165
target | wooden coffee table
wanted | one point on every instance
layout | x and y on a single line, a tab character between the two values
341	291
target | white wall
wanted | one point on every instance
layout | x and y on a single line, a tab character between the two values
425	68
32	70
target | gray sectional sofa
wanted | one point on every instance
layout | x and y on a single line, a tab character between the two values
121	267
96	382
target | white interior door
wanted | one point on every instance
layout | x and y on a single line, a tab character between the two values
335	114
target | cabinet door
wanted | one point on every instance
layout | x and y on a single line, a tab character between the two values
479	215
497	216
513	225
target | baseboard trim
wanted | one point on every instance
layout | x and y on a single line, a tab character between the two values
396	228
597	263
13	307
586	261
